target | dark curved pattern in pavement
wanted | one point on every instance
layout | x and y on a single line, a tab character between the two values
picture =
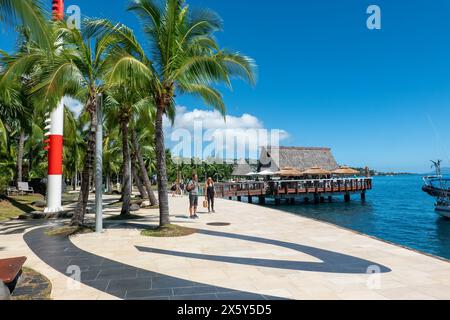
121	280
332	262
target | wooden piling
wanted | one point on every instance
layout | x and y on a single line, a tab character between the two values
316	198
347	197
262	200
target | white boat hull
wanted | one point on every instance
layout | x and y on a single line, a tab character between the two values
443	211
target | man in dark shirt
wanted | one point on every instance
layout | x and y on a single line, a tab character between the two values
193	190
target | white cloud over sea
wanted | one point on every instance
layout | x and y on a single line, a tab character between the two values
206	133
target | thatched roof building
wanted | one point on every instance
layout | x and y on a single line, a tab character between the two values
300	158
242	169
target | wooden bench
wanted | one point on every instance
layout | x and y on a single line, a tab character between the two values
10	271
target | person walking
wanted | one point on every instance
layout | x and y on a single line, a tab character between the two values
182	187
210	194
173	189
193	190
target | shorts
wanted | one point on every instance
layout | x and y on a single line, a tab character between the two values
193	200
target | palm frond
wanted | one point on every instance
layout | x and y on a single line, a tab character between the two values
31	14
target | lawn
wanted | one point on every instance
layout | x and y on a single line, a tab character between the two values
13	207
68	198
169	231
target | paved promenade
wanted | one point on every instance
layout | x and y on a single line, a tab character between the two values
262	254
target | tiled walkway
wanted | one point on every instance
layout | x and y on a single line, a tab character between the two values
263	253
122	280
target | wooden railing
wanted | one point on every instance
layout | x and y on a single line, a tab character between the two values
292	187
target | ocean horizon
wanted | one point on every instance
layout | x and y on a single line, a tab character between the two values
396	210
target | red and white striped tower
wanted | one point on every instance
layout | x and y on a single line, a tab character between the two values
55	125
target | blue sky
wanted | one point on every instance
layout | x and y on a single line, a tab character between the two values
377	98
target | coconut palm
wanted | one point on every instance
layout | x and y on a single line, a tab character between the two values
112	157
74	146
185	59
119	105
29	13
142	137
7	161
77	70
17	111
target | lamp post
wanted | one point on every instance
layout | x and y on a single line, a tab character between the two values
99	167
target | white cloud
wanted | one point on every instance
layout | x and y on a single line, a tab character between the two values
74	105
214	120
204	133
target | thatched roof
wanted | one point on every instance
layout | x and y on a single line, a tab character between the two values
316	171
345	171
299	158
242	169
288	172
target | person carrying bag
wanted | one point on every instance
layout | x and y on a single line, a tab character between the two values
210	195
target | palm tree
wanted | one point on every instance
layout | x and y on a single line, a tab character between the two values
77	70
120	103
7	162
111	153
29	13
143	115
17	108
185	59
74	146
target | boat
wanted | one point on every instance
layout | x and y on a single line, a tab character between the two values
443	207
438	187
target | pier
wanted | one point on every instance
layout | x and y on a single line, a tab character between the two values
317	190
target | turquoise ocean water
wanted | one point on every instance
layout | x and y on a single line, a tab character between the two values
396	210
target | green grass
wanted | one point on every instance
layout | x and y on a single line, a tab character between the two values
33	279
124	218
119	204
151	207
170	231
68	231
14	206
68	198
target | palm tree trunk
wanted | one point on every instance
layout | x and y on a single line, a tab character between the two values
126	190
80	211
20	156
143	169
75	180
138	181
164	217
30	160
109	185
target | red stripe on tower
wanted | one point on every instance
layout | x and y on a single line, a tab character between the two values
55	165
58	9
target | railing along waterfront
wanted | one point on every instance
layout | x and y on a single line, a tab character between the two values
293	187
